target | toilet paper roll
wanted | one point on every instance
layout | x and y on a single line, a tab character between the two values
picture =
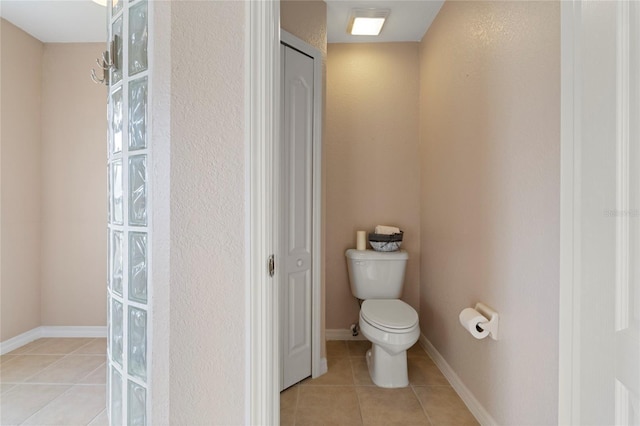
361	240
470	318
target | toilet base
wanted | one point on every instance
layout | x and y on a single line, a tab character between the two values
387	371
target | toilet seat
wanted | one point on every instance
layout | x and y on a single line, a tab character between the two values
390	315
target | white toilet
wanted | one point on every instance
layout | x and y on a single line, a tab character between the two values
386	321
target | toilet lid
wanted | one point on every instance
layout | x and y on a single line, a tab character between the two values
389	313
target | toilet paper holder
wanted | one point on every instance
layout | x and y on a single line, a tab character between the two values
493	318
491	325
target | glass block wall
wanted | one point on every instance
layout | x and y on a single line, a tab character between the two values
129	157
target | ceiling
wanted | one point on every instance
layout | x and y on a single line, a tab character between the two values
68	21
58	21
408	20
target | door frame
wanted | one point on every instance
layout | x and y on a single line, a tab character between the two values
572	284
262	109
318	365
262	146
569	294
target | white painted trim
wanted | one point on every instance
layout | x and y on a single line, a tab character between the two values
74	331
342	334
262	58
51	331
323	367
20	340
623	90
569	344
479	412
316	194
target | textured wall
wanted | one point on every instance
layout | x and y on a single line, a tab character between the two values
373	173
74	187
490	160
307	20
208	318
20	133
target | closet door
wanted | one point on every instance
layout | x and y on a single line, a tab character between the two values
296	220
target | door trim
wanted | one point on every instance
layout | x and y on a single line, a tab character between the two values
318	367
569	297
262	100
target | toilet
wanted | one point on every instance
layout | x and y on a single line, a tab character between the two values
387	322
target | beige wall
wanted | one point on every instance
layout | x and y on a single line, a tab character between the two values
74	242
490	160
207	223
307	20
21	181
53	185
373	167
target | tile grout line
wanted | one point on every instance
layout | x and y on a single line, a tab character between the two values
359	405
46	405
96	416
103	365
80	347
295	411
424	409
25	380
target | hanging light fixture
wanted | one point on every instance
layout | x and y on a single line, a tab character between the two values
367	21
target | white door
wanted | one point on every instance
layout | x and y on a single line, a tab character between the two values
296	219
600	336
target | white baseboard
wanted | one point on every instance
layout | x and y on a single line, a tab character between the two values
480	413
20	340
342	334
74	331
51	331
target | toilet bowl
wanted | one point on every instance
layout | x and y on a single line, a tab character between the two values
392	327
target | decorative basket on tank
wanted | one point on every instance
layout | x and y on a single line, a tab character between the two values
383	242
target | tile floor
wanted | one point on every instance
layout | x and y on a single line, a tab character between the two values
54	382
345	395
62	382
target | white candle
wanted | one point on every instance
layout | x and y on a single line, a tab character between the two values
361	240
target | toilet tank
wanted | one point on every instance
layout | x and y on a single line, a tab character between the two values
376	275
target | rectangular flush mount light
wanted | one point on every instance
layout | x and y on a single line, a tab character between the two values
367	21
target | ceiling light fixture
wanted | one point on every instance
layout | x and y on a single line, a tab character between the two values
367	21
100	2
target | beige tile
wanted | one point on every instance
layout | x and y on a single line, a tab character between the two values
96	377
361	376
78	406
59	346
358	347
327	405
337	348
5	387
70	369
339	373
380	406
416	350
24	400
28	347
444	406
288	405
6	358
100	420
94	347
422	371
25	366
